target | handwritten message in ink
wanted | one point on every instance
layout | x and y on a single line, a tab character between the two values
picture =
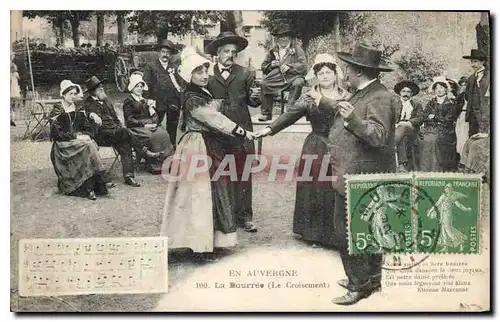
50	267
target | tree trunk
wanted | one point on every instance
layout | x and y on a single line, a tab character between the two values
305	42
483	34
336	32
120	20
75	23
59	30
100	28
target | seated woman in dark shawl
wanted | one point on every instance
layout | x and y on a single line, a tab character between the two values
74	153
436	145
314	202
141	118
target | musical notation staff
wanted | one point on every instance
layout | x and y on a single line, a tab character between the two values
94	265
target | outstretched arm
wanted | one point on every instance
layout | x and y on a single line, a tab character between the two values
209	115
462	207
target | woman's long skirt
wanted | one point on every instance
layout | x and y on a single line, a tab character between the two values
75	162
315	200
436	151
198	212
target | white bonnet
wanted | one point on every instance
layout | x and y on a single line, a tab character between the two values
65	84
134	80
324	58
190	60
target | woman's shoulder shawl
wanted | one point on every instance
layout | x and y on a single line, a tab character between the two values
57	110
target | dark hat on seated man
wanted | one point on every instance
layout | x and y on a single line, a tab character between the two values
365	55
406	83
92	83
224	38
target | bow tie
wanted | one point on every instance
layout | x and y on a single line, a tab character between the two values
225	70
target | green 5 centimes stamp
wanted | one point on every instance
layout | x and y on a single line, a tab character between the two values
379	210
448	221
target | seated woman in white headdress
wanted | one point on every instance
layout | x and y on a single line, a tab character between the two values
142	119
199	209
74	153
313	215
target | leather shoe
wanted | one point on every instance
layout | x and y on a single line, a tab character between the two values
264	118
91	195
343	282
131	182
110	185
350	298
250	227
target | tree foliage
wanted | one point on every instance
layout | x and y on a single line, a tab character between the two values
306	25
419	66
59	17
179	23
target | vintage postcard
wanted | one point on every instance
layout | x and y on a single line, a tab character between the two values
250	161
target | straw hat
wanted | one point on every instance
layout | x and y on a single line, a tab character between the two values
134	80
440	80
325	58
190	60
67	85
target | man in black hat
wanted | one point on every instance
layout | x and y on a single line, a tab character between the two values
284	68
165	85
410	119
361	140
477	85
110	131
233	83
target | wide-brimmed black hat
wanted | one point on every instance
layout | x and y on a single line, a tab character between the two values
475	54
283	29
406	83
224	38
165	43
92	83
365	55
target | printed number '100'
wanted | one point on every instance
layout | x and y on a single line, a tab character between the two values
362	240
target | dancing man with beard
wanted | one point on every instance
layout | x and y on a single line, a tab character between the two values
361	140
233	83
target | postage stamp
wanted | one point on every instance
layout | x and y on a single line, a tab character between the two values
380	214
451	220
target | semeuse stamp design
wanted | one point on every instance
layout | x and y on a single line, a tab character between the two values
380	214
452	222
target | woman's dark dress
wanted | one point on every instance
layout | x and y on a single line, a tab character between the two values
136	114
314	202
437	141
76	161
